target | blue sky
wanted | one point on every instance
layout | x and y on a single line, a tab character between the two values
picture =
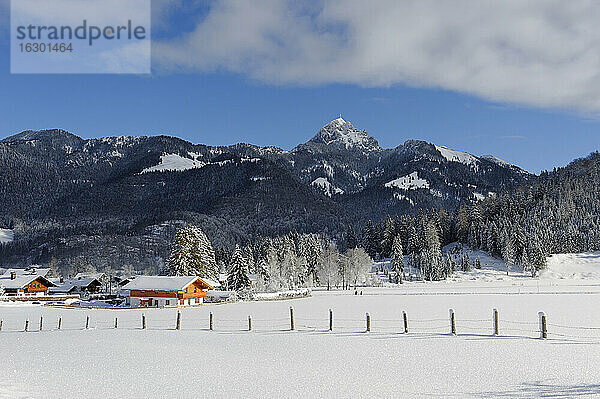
223	103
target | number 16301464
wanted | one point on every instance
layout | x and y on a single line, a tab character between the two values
46	47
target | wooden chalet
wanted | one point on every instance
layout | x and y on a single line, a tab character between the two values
163	291
24	284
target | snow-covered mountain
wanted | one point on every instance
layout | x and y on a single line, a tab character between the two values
340	161
340	135
123	185
361	172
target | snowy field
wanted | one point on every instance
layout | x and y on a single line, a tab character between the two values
584	266
271	361
581	266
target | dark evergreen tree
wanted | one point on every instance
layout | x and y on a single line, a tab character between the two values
237	278
398	259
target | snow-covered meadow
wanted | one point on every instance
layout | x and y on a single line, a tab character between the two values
6	236
272	361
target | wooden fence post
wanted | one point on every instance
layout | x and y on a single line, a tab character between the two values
0	325
41	323
143	321
211	321
59	323
87	322
495	320
368	322
116	322
291	318
26	325
543	325
249	323
178	327
405	322
330	320
452	323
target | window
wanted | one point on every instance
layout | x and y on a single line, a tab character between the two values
195	290
197	300
167	302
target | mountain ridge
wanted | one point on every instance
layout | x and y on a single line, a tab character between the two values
338	131
67	193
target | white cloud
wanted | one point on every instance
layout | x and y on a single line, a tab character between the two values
542	52
127	58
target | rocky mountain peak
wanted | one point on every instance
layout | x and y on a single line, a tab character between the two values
341	134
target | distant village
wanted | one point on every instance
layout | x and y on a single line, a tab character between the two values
33	284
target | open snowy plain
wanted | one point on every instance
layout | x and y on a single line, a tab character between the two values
272	361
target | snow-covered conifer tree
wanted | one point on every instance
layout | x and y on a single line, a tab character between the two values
508	254
249	257
369	239
314	258
462	224
351	240
237	279
465	263
398	258
387	237
536	256
192	254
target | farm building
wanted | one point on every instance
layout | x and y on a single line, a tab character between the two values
78	285
101	277
15	283
121	280
159	291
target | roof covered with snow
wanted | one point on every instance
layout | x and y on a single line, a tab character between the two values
70	284
32	270
162	283
21	281
97	276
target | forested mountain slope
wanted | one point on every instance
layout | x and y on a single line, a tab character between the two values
124	196
558	213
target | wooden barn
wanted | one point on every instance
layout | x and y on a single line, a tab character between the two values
159	291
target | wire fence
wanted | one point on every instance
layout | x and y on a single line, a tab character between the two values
453	325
